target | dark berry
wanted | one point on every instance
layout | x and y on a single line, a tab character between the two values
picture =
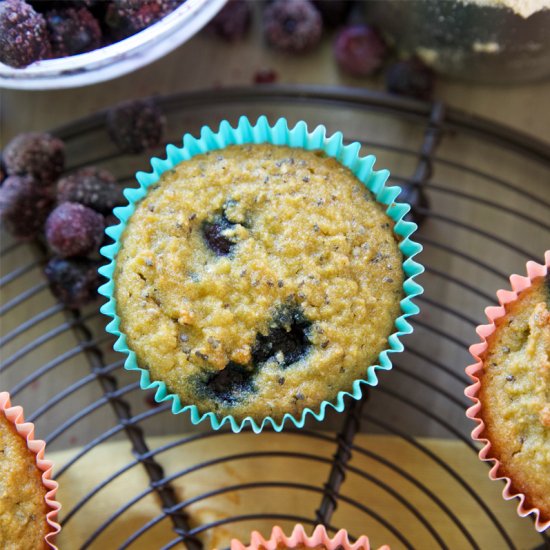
73	281
265	76
24	205
230	383
333	12
127	17
232	21
287	339
74	230
41	155
92	187
135	126
292	25
359	50
23	35
72	31
411	78
213	233
415	196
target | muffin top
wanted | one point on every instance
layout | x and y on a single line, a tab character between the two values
515	393
23	506
258	280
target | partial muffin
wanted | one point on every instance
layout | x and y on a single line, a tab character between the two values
23	507
515	394
299	540
258	280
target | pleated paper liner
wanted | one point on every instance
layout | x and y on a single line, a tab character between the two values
299	539
518	283
277	134
14	414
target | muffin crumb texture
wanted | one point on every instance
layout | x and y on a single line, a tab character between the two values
515	394
22	495
258	280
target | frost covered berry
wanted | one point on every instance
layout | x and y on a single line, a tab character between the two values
73	281
127	17
292	25
72	31
24	205
232	21
74	230
359	50
92	187
37	154
135	126
23	35
411	78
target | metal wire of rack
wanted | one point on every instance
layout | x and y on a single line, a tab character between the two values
487	186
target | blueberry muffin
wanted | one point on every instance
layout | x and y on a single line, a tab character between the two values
258	280
23	505
515	394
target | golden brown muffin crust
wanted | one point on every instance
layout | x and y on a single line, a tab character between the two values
515	394
312	258
23	506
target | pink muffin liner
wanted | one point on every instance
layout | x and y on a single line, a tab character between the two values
299	536
37	446
518	284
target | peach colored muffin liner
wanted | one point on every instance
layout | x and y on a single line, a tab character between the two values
518	283
37	446
299	536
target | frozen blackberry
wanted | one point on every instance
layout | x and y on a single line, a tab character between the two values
359	50
73	281
127	17
230	383
72	31
136	126
24	205
23	35
333	12
292	25
41	155
287	340
232	21
411	78
74	230
92	187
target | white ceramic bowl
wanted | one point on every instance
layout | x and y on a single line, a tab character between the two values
116	59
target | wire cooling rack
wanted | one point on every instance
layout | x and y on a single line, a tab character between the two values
484	192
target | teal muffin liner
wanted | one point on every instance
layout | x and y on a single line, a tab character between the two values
278	134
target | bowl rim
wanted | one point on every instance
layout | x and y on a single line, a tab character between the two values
118	58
